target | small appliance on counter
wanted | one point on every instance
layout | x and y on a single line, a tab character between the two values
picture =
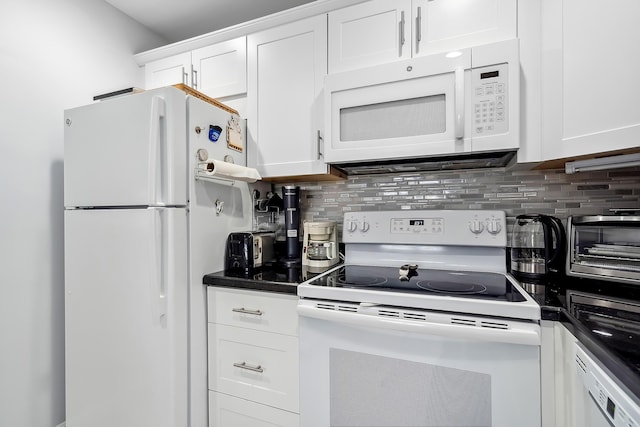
291	203
605	246
537	248
320	245
249	250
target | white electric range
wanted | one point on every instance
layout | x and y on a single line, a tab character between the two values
421	326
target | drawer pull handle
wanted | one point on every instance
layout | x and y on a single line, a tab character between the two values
247	311
244	365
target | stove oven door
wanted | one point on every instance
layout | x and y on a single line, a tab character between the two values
367	365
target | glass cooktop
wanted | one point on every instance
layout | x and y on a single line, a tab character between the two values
409	280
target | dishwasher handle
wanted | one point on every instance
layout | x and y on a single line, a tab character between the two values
523	334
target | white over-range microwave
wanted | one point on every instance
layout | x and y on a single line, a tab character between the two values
462	104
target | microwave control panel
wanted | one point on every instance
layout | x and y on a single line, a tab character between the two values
490	100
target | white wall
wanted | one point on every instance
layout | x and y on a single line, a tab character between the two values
53	55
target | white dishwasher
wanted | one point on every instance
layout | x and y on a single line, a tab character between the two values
602	397
604	403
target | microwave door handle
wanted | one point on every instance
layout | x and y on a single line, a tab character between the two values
459	103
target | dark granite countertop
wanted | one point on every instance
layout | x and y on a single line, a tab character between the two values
270	278
553	300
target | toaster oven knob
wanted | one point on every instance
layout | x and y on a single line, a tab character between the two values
493	226
476	226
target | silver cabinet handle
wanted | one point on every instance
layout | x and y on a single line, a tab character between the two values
418	28
244	365
401	32
185	77
319	145
194	78
247	311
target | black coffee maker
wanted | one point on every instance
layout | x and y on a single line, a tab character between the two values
291	201
538	248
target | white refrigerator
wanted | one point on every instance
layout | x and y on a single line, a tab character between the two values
140	232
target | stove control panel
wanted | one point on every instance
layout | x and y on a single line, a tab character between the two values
417	225
447	227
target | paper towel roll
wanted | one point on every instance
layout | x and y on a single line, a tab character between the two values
220	169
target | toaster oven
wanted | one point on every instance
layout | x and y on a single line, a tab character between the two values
605	247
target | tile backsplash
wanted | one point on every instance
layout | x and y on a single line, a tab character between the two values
516	192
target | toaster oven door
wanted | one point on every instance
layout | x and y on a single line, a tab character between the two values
606	247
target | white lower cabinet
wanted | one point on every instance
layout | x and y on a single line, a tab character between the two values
567	388
230	411
253	358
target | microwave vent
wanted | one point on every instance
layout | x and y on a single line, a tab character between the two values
429	164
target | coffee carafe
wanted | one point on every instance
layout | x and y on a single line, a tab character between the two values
320	245
537	247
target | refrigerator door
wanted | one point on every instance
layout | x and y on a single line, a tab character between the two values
127	151
126	317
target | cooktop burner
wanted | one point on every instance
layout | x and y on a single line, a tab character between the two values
463	284
452	287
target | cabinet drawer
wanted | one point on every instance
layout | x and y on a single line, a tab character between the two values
229	411
262	311
259	366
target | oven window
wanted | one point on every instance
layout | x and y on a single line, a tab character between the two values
373	390
425	115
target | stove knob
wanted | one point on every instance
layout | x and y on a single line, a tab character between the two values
364	227
476	226
493	226
352	226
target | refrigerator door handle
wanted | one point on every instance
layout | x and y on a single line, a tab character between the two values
158	268
157	146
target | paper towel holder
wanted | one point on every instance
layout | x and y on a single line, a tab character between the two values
201	175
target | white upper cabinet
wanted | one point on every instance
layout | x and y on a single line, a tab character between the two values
220	70
286	69
168	71
369	33
380	31
441	25
590	77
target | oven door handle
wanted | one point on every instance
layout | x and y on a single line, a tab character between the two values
524	334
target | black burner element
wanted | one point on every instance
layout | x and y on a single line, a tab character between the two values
452	287
359	281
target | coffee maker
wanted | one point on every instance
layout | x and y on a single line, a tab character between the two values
537	248
320	245
291	206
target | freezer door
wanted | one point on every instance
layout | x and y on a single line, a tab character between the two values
126	317
127	151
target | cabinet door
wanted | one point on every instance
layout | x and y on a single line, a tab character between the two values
590	70
220	70
229	411
258	366
168	71
286	69
369	33
262	311
441	25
